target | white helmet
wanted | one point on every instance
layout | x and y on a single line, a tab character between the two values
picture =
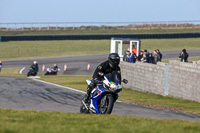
34	62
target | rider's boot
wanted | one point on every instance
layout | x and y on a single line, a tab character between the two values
89	90
87	96
85	101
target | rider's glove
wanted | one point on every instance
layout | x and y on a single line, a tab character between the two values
125	81
95	80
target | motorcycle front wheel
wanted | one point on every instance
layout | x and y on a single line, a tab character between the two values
28	74
106	104
83	110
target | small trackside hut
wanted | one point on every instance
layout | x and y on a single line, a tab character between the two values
120	45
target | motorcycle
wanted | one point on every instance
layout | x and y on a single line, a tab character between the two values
31	72
51	71
103	96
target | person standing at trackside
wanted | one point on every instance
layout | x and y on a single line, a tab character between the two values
159	55
184	56
146	53
108	66
127	56
1	65
140	56
155	57
150	58
134	57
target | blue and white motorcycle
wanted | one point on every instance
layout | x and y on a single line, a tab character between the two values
103	96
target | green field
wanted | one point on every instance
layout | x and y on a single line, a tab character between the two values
18	121
10	72
98	31
37	49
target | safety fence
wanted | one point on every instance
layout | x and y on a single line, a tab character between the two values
24	26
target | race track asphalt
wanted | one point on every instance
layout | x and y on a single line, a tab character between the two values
77	65
29	94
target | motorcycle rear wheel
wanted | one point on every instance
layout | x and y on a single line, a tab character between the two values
106	104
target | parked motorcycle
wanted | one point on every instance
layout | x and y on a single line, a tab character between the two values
103	96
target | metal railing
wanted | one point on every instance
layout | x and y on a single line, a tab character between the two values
24	26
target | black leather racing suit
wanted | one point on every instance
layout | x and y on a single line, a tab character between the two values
105	68
35	67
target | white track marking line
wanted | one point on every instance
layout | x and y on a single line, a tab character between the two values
34	77
20	72
58	85
62	86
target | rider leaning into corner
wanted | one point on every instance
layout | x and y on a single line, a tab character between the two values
34	67
109	66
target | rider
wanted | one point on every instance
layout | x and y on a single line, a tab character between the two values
34	67
1	65
184	56
109	66
54	68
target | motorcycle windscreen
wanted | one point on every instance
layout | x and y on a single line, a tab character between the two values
112	77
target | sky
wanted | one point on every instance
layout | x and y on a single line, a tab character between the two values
98	10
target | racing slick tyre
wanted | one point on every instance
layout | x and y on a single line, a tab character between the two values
83	110
106	104
28	74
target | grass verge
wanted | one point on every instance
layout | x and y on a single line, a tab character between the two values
19	121
10	72
37	49
130	96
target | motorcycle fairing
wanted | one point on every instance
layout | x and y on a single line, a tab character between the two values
95	97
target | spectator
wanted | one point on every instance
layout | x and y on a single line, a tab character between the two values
150	58
147	56
1	65
134	57
184	56
129	57
144	58
134	49
155	57
140	56
159	55
126	56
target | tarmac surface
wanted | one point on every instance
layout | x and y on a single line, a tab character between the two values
77	65
30	94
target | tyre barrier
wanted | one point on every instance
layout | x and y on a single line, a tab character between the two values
98	36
